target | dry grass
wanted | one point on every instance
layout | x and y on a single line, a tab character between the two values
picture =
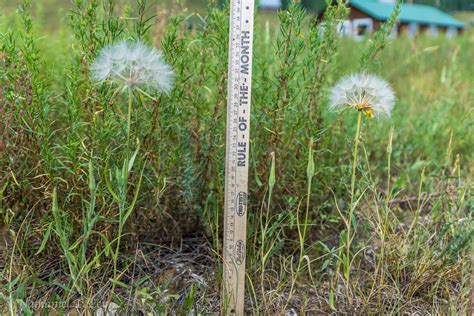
412	225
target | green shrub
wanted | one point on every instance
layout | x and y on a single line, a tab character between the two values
65	193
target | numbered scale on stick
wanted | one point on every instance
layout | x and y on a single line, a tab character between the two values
237	153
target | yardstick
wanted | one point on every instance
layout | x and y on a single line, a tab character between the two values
237	153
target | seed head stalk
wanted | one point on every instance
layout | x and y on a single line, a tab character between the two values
129	66
352	206
356	152
129	121
373	97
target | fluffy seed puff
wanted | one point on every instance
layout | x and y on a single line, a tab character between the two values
133	65
364	92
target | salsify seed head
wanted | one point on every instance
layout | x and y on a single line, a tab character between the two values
133	65
364	92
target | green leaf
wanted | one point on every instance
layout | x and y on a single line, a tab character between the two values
135	197
107	176
92	184
257	179
45	239
132	159
189	300
310	168
106	243
272	178
117	282
77	243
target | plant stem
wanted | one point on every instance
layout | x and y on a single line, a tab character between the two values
122	208
271	184
263	229
129	120
354	162
387	205
305	225
301	235
352	206
123	197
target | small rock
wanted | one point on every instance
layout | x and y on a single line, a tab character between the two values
110	310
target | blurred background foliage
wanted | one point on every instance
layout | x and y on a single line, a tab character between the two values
63	141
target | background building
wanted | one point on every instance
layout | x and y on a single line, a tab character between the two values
446	5
367	16
270	4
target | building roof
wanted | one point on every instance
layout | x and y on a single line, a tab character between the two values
410	13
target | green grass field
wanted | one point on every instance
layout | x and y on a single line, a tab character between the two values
107	201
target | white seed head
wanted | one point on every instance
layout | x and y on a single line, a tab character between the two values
364	92
133	65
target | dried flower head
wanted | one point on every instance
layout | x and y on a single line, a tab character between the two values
364	92
133	65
